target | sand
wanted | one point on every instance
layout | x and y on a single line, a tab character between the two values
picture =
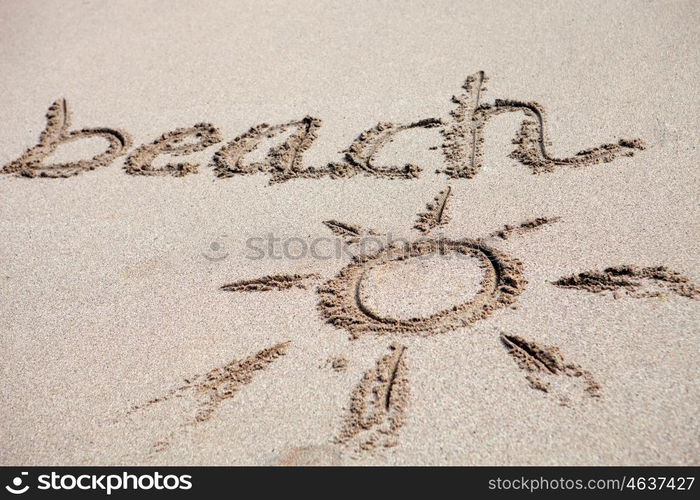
323	233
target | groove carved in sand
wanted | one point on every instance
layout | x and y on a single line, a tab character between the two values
633	281
282	162
349	232
464	139
363	151
218	385
543	362
342	304
378	404
58	121
524	227
436	213
275	282
140	162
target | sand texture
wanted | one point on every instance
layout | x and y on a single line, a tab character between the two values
334	233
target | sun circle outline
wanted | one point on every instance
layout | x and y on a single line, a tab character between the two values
341	302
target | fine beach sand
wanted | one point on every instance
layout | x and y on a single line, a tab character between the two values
138	326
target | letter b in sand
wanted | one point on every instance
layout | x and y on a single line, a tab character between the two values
30	164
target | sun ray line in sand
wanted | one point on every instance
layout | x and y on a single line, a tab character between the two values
273	282
351	233
524	227
213	388
543	363
436	213
378	404
632	281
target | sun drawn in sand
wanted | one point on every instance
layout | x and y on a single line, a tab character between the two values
378	404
